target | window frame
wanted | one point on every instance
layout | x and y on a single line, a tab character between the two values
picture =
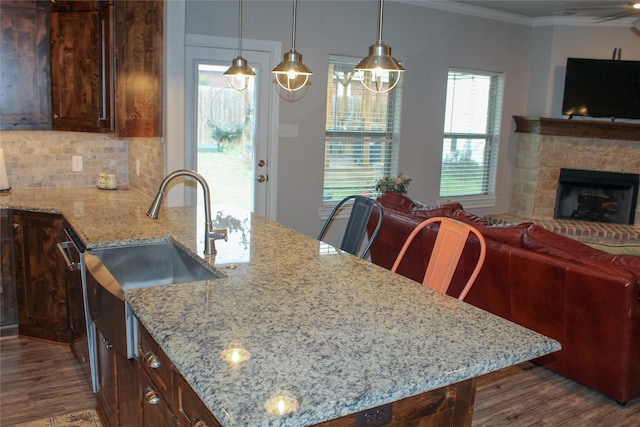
491	137
389	137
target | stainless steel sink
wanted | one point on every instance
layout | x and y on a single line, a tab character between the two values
154	264
113	270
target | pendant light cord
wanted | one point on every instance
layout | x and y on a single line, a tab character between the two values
240	29
380	22
293	26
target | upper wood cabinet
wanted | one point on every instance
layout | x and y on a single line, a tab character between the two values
61	61
81	66
139	49
25	90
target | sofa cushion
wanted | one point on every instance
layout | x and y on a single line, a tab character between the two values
399	202
511	234
427	212
630	263
550	243
468	217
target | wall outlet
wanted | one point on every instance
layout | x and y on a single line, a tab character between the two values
76	163
78	208
287	131
374	417
138	167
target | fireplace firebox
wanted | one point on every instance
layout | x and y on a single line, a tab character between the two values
597	196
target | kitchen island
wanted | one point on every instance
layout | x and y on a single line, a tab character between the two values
332	334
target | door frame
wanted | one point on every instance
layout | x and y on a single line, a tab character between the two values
271	50
174	100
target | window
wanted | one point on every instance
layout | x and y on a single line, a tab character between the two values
471	133
361	141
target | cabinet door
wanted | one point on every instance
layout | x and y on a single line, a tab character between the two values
25	88
139	26
81	66
190	409
8	291
40	276
107	395
155	408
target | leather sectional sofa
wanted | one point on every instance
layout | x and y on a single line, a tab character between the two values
586	299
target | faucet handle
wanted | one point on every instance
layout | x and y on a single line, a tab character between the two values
218	234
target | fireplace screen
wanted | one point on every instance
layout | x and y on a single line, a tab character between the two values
597	196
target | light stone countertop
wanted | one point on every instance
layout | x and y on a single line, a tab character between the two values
337	333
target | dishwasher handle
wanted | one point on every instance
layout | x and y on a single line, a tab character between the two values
64	249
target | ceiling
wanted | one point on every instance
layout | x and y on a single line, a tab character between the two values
536	10
539	9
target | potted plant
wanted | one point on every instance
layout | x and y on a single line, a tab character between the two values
399	184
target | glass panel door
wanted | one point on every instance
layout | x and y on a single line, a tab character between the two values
225	137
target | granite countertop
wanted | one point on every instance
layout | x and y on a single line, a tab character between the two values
335	333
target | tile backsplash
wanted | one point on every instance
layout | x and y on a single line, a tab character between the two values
149	153
41	159
44	158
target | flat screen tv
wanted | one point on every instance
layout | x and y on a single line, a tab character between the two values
602	88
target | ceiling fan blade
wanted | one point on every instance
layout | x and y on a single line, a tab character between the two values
587	8
614	16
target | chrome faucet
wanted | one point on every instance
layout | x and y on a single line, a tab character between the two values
210	234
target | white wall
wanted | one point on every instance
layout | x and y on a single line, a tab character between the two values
552	47
428	41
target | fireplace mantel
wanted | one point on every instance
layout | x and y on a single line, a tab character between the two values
578	128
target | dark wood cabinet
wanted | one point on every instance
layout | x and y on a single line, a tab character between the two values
139	41
25	89
155	409
59	68
42	280
107	394
82	50
164	392
8	290
189	408
49	297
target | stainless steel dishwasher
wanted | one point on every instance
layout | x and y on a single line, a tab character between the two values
72	251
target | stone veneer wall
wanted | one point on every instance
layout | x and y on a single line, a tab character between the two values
539	159
150	152
41	159
37	159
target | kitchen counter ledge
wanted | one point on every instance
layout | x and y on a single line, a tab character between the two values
337	333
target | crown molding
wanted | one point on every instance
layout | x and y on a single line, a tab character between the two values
483	12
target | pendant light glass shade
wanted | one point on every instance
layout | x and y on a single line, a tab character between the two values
291	74
380	71
239	72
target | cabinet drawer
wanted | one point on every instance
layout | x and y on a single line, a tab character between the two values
155	410
153	360
191	412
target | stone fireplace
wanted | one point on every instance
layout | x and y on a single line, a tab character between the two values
546	146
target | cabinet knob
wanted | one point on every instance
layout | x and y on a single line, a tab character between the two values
197	422
150	396
151	360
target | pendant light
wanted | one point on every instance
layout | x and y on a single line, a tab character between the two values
291	73
380	67
239	72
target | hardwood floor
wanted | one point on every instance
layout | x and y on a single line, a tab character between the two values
40	380
530	395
